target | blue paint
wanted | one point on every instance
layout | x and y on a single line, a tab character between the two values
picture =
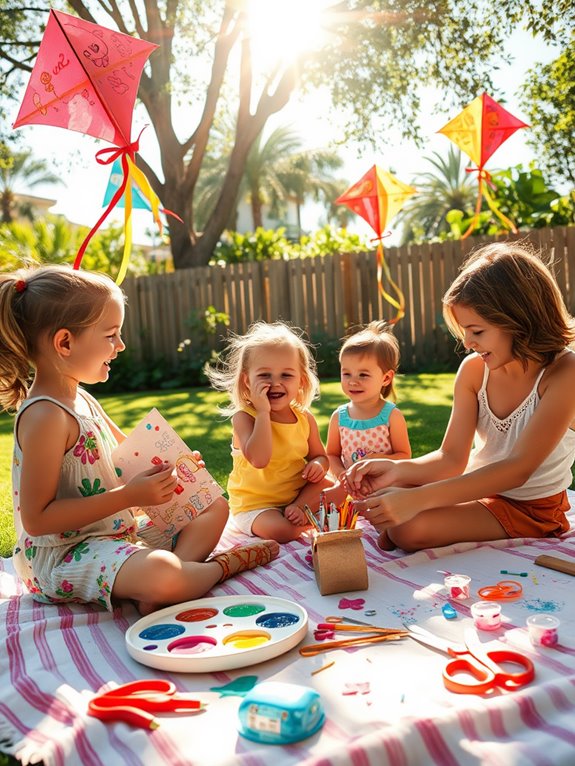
160	632
277	620
448	612
539	605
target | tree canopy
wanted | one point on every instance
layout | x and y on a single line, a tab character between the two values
549	102
373	58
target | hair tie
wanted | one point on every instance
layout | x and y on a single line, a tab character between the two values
20	285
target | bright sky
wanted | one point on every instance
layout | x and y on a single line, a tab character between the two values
80	199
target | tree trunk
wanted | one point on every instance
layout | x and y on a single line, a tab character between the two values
257	216
7	199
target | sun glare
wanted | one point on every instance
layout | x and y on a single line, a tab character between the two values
280	30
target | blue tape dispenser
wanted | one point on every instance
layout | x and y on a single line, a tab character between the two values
276	713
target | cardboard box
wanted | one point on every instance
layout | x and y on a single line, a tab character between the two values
339	561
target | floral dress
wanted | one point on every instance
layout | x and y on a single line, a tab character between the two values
360	438
79	564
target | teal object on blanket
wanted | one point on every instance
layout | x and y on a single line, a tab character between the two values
276	713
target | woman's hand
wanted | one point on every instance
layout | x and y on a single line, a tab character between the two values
152	487
388	508
369	476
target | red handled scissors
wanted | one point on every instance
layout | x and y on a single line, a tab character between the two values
133	703
473	670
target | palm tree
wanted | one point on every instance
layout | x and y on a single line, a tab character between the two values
447	187
277	171
20	167
308	174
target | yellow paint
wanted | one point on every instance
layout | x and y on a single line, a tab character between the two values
247	640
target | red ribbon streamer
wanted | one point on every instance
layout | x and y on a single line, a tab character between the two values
106	157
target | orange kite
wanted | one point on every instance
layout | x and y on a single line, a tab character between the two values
377	197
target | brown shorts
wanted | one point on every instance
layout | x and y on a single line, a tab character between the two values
530	518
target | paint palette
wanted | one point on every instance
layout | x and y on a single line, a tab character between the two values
220	633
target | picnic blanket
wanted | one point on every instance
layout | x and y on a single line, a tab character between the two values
385	704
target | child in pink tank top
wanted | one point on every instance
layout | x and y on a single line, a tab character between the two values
368	426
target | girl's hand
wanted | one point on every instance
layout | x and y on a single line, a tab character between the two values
152	487
259	396
295	514
314	471
368	476
388	508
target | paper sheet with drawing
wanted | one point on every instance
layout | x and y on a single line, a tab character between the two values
154	442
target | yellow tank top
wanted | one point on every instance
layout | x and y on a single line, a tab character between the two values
279	482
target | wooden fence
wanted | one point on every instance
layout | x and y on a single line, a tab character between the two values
325	296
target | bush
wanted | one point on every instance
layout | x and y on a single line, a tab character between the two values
272	244
326	353
196	352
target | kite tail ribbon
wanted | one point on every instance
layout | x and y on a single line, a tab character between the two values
383	269
130	173
484	180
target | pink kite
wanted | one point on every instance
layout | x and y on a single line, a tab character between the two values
86	78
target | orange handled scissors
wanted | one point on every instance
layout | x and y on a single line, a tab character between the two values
506	590
133	703
473	670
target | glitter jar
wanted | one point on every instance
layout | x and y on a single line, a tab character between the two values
458	586
543	629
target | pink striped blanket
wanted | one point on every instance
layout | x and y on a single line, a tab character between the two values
385	703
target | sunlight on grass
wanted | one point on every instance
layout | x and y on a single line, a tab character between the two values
425	401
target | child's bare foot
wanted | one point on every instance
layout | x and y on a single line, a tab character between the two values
295	514
384	542
246	557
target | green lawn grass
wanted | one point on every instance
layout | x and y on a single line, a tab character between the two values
425	400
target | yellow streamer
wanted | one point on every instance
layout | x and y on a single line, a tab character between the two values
383	268
136	175
483	192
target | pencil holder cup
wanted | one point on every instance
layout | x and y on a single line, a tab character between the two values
339	561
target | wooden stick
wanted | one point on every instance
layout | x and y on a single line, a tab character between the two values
554	562
310	650
360	628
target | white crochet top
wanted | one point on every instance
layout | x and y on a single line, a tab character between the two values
494	439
